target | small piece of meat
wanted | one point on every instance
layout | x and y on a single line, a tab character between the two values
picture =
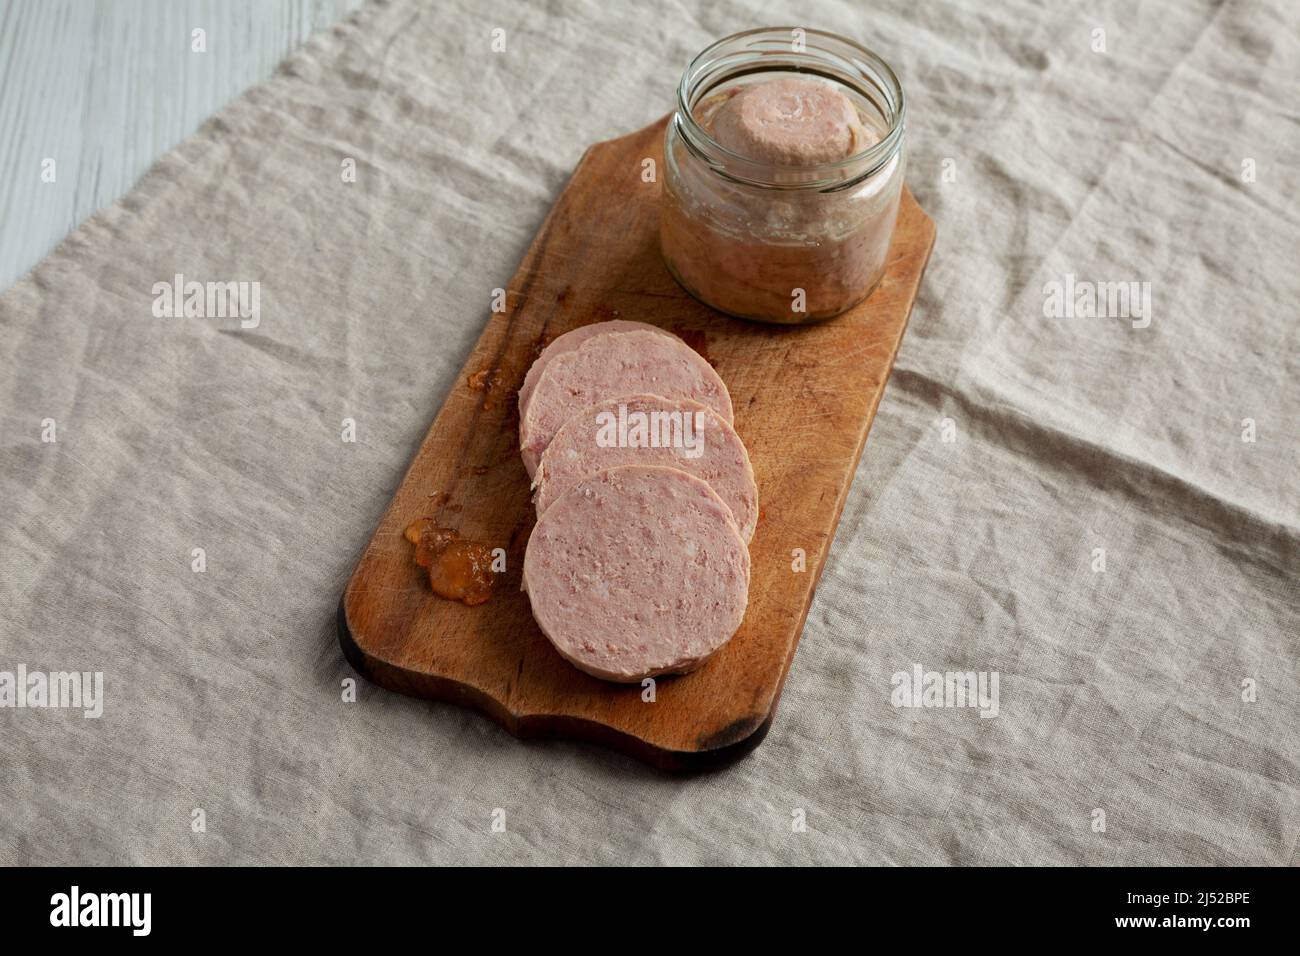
636	572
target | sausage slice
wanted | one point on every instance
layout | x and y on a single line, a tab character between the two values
636	572
571	340
607	366
651	430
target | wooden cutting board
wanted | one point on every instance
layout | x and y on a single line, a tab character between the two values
804	400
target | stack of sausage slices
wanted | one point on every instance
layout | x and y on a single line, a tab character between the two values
646	501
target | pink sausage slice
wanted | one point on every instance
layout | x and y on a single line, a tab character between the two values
636	572
609	365
571	340
651	430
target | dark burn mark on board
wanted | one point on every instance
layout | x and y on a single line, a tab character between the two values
696	339
537	347
732	734
519	529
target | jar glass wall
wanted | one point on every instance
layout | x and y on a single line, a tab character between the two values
777	238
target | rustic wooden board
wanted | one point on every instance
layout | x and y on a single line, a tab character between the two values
804	401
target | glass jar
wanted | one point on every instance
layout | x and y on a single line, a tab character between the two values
781	241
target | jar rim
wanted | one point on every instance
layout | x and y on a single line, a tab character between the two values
836	51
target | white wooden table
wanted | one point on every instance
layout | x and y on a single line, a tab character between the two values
104	88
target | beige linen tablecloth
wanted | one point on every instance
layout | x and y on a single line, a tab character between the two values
1014	457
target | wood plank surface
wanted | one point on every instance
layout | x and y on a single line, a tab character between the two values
104	88
804	400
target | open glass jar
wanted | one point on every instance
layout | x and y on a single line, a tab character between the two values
782	239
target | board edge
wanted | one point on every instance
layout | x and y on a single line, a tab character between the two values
734	741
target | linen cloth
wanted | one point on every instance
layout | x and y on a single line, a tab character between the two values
1014	456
